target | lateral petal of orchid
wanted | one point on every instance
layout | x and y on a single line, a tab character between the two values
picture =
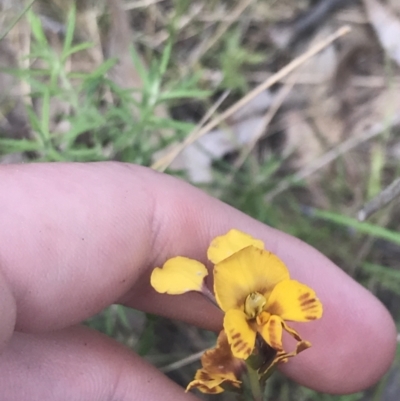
226	245
178	275
241	336
294	301
246	271
270	328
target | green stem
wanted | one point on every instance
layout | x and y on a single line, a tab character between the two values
254	384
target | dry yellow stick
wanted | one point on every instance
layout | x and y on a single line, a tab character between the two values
183	362
164	162
139	4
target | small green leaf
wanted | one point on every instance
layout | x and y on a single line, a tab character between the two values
69	35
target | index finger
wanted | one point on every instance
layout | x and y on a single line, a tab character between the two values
78	237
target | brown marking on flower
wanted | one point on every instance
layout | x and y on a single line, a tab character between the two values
307	302
310	307
262	290
204	376
241	348
275	309
272	335
311	317
220	360
235	336
304	296
237	343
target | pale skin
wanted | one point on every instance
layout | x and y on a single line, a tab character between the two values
76	238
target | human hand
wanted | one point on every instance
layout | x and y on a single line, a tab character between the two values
76	238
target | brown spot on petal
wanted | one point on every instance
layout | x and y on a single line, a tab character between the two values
304	296
204	376
308	302
311	317
235	336
275	309
242	347
220	360
237	343
310	308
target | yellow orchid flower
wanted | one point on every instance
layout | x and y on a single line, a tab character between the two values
254	289
251	285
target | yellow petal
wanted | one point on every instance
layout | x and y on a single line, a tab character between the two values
270	328
241	335
226	245
178	275
246	271
292	300
206	383
210	383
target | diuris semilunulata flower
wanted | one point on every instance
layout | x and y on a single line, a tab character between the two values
253	288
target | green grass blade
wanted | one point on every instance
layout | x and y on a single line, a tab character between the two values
363	228
69	35
37	29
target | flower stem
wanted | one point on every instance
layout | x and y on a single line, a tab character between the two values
254	384
209	295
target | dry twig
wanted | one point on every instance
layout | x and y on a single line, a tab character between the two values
164	162
380	201
183	362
